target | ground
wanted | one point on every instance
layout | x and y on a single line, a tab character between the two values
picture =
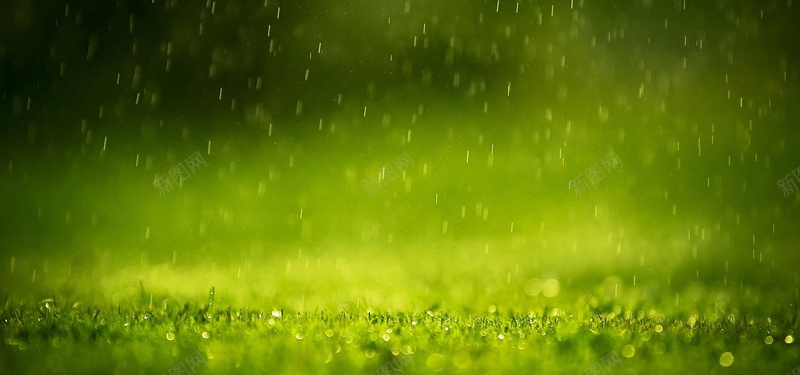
350	311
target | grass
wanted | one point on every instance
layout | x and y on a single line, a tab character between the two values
349	311
244	341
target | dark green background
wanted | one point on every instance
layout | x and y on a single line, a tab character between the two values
575	82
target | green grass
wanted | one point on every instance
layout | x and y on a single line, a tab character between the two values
347	310
243	341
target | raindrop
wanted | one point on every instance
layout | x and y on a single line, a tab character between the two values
628	351
726	359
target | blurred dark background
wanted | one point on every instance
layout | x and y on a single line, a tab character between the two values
294	104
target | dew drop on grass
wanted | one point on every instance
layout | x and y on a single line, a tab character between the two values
768	340
659	328
436	362
205	335
170	336
628	351
789	339
726	359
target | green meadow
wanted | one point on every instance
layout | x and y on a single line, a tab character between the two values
399	187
